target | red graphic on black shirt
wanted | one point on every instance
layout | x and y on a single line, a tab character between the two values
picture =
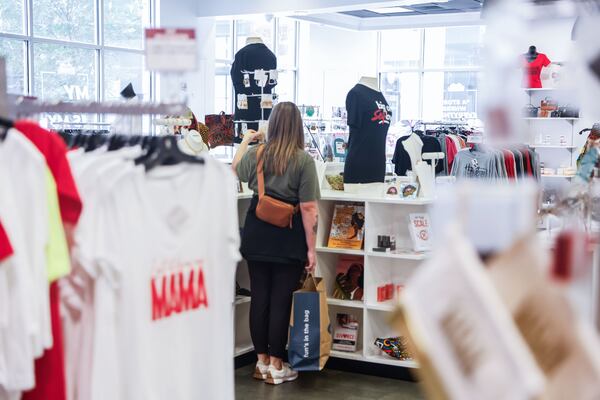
178	291
383	114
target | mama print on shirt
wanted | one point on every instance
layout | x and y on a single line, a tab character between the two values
178	288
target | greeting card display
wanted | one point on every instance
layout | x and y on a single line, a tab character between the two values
420	231
347	227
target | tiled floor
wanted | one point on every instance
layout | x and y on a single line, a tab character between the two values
325	385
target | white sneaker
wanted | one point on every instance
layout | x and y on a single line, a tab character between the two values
278	376
261	370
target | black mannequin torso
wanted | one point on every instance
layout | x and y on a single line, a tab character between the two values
532	54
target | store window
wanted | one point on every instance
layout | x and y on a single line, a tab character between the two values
454	46
402	91
64	73
14	52
124	22
70	45
401	49
11	16
432	73
258	26
450	96
69	20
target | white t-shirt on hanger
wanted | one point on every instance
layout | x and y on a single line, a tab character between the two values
165	248
24	214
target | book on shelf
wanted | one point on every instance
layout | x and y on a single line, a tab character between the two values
347	227
420	231
345	333
349	278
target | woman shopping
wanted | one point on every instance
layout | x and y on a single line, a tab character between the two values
285	178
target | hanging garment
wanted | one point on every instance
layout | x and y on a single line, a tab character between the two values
250	58
532	71
369	117
401	158
23	211
432	145
475	164
451	151
413	145
509	160
178	253
6	249
54	151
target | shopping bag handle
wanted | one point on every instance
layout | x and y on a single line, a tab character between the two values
310	283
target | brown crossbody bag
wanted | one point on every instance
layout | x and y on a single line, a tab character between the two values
269	209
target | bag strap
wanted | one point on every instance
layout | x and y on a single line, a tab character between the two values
259	171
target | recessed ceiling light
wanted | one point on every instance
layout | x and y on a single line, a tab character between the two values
390	10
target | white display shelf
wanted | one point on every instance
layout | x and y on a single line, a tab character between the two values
357	355
558	176
385	359
399	256
323	249
387	306
242	300
241	350
345	303
336	195
245	195
549	119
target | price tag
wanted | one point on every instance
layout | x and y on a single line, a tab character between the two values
173	50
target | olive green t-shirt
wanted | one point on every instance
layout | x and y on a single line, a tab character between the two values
299	183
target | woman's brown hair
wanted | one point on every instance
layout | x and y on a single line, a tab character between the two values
285	137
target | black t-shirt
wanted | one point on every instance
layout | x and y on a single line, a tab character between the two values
402	161
369	118
249	58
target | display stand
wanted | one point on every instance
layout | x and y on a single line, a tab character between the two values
548	128
383	215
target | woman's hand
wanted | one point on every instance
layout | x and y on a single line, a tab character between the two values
251	135
311	264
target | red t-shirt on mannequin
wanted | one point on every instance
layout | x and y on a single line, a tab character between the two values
532	71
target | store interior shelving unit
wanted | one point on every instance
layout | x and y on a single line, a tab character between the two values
382	216
553	153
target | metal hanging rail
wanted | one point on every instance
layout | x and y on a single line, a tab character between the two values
25	106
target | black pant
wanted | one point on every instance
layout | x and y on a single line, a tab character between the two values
272	286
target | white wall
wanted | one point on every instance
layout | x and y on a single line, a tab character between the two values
331	62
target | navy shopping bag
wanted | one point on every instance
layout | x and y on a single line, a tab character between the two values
310	330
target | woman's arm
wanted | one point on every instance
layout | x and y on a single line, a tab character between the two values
249	137
309	212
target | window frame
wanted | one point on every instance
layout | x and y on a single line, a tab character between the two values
30	40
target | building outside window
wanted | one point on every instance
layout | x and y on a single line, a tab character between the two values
75	50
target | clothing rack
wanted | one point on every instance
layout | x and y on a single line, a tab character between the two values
27	107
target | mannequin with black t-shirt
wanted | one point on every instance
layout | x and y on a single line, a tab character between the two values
409	150
254	55
369	118
533	62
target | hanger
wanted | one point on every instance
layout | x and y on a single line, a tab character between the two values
6	124
163	150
